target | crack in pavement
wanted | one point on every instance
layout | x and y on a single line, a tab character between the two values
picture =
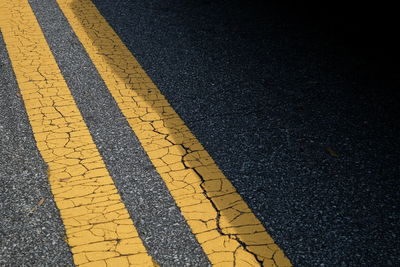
84	192
227	230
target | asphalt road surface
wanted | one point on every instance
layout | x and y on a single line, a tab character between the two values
298	110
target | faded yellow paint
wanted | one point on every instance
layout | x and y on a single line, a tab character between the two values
225	227
97	224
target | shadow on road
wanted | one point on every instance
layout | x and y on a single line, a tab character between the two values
290	81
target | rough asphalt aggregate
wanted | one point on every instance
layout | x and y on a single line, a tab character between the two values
28	236
158	220
305	129
267	96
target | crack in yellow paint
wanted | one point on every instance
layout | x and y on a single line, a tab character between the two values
228	231
98	227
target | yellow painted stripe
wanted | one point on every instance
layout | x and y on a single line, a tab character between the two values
222	222
98	227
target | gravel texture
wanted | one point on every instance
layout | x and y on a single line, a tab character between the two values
155	215
298	107
31	232
301	115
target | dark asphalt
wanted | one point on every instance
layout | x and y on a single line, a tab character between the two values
268	89
30	235
156	217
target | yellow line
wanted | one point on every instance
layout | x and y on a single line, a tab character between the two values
98	227
222	222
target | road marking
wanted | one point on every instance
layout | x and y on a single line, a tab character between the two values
228	231
98	227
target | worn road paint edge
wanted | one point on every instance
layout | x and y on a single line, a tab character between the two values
229	233
98	228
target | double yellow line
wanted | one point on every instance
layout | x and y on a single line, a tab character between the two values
98	227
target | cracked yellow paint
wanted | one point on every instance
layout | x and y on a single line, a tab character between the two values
98	227
225	227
